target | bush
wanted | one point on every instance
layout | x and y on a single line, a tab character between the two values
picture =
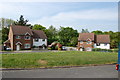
96	49
59	49
110	50
49	48
115	50
56	47
105	50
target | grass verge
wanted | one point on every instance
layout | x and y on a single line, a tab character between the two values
52	59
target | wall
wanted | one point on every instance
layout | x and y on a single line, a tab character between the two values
85	45
10	36
23	41
40	42
102	46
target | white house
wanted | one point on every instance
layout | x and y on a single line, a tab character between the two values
102	41
39	38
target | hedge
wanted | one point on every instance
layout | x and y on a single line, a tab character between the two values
105	50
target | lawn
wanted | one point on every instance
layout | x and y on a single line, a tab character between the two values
52	59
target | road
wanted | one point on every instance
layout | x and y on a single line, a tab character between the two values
106	71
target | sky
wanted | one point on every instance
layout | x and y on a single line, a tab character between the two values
78	15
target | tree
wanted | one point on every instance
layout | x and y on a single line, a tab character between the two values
52	34
5	32
4	22
84	31
21	21
67	36
38	27
97	32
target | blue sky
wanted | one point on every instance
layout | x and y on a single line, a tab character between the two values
79	15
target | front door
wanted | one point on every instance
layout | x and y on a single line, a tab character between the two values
18	47
81	49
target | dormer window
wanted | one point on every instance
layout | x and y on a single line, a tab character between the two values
17	37
27	37
89	42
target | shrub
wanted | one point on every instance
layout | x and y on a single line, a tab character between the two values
105	50
49	48
56	47
115	50
96	49
59	49
110	50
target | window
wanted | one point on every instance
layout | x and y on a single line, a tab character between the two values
105	44
27	45
27	37
89	42
17	37
36	40
98	44
81	42
43	40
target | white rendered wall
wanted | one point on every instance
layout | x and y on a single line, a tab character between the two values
40	42
102	46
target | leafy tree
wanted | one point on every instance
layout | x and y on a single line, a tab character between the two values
84	31
97	32
21	21
4	22
52	34
38	27
67	36
5	32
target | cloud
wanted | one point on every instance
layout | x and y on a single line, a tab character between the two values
75	17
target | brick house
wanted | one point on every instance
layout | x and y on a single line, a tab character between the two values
87	41
24	38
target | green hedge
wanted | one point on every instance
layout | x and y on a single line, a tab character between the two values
105	50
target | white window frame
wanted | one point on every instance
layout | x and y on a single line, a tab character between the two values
105	44
97	44
81	42
36	40
27	36
27	45
43	39
89	42
18	37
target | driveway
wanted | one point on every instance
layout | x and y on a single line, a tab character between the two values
106	71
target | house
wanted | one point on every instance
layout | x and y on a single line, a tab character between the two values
87	41
24	38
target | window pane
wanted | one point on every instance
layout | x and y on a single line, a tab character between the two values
27	45
27	37
36	40
17	37
43	40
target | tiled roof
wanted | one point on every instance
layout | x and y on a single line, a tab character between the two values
39	34
96	38
103	39
85	36
21	30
